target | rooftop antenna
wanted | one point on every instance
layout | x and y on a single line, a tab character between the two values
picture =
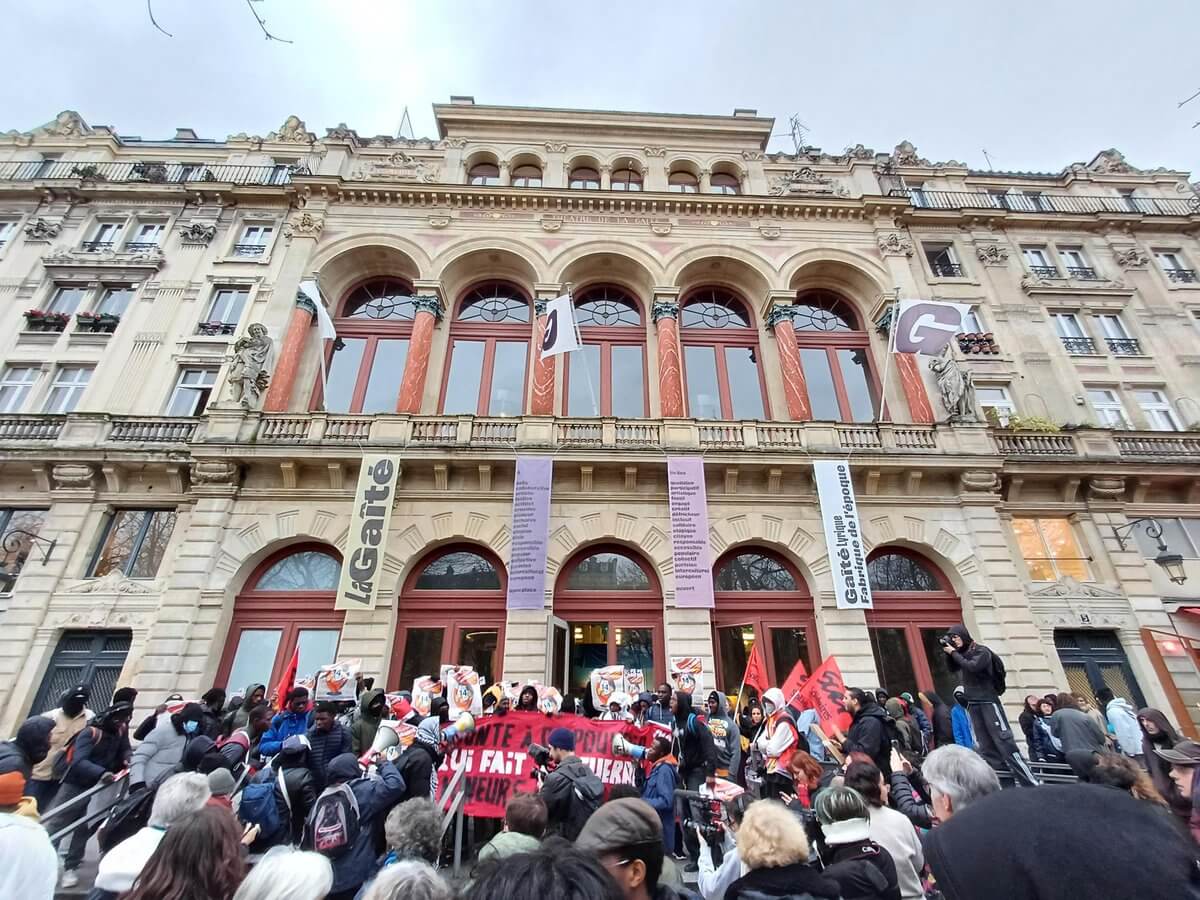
799	131
991	168
405	122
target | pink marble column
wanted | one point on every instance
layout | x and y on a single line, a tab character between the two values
795	388
542	402
283	379
416	364
670	374
909	372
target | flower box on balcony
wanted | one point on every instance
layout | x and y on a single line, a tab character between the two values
41	320
214	329
977	342
96	323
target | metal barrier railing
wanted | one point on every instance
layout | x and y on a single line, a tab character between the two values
87	818
453	803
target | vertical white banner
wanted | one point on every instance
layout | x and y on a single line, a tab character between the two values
690	547
370	516
530	532
843	535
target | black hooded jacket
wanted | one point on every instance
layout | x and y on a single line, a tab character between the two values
797	880
28	748
975	663
869	734
691	741
864	871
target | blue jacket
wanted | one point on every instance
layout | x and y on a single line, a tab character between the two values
804	723
324	746
659	792
283	726
376	797
962	727
93	757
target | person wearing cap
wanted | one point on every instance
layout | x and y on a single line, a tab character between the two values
148	723
627	838
1184	758
572	791
222	785
28	863
69	718
862	868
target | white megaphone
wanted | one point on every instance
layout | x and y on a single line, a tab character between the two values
458	729
622	747
386	738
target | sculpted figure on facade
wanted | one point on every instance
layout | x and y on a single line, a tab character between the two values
250	374
293	131
804	180
956	386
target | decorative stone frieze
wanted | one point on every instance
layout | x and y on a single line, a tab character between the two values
1131	258
992	254
198	233
894	244
41	230
304	225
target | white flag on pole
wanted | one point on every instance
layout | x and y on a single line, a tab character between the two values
927	326
310	289
561	335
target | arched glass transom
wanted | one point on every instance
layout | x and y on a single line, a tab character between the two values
607	571
585	178
715	308
309	570
460	570
754	572
900	572
527	176
381	298
626	180
724	183
822	311
494	303
484	173
683	182
606	307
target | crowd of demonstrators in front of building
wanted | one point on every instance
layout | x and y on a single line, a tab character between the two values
312	800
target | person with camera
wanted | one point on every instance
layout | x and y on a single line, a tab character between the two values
983	682
713	879
571	791
692	744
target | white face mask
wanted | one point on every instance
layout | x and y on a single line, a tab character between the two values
768	707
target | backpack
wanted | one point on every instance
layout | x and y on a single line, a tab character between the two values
258	806
333	825
588	792
63	762
999	675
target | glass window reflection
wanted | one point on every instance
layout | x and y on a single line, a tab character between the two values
460	570
607	572
853	364
343	375
508	379
821	394
466	372
745	390
387	371
704	396
308	570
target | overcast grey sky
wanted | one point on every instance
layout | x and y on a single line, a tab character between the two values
1037	84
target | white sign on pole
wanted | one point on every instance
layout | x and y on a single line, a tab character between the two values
843	535
369	519
561	335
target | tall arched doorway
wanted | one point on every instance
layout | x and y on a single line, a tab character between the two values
914	605
608	610
287	603
451	611
761	598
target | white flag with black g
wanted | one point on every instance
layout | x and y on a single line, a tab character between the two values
561	334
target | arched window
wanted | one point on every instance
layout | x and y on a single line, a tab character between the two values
914	605
484	173
724	183
451	611
489	344
366	363
584	178
626	180
287	603
682	181
761	598
607	611
720	357
607	377
835	356
527	176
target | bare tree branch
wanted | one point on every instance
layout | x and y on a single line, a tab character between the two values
262	23
1189	99
154	22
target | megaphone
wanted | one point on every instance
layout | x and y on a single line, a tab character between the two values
622	747
397	735
459	728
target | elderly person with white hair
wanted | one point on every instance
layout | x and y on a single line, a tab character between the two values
285	874
773	848
179	797
956	778
408	880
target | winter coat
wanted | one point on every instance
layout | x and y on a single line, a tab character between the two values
30	863
869	734
97	751
324	746
416	765
863	871
892	831
943	725
283	726
659	713
508	843
922	721
157	756
1077	731
961	724
798	881
659	792
362	732
908	734
975	663
302	792
65	727
566	812
1160	769
901	796
1046	746
1124	724
28	748
240	717
727	741
691	741
375	796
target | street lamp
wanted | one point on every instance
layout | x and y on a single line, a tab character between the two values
1171	563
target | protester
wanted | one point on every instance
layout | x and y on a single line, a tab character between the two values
727	738
964	735
13	785
712	881
805	723
752	719
213	701
527	699
1123	723
373	797
124	695
956	778
1184	758
28	863
293	720
202	755
692	746
559	872
860	867
294	793
327	738
626	836
616	708
981	685
773	849
285	874
939	718
419	762
28	748
151	720
239	716
1085	705
889	828
1119	771
240	748
409	880
177	799
908	735
571	791
1029	712
1062	842
68	720
1046	746
413	830
1159	734
806	775
776	742
372	708
199	858
660	709
659	789
157	756
222	784
641	709
1075	729
868	732
524	827
920	720
908	794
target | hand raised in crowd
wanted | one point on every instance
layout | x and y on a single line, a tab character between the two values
900	764
250	835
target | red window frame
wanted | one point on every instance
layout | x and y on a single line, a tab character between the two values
720	338
287	611
452	610
489	334
607	337
831	342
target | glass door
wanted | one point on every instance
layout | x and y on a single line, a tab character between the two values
558	642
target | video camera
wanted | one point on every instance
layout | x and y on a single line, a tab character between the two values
541	761
711	815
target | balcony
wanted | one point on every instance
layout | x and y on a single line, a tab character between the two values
1046	203
1181	276
248	249
1124	346
88	429
141	246
1017	443
96	246
1044	272
1079	346
1083	273
1157	444
139	173
946	270
214	329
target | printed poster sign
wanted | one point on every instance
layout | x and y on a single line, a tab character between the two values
369	519
687	675
689	531
927	326
843	535
338	682
530	524
463	691
605	682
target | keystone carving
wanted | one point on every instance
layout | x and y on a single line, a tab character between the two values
214	471
1131	258
895	244
655	151
992	254
41	230
553	147
71	475
752	155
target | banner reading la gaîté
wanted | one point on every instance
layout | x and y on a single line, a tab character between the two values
690	548
843	535
369	519
530	524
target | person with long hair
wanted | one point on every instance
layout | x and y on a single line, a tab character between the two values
806	776
199	858
1119	771
1159	734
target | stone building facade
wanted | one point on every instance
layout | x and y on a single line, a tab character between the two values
733	303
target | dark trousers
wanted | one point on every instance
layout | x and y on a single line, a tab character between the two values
692	781
79	837
43	792
996	743
775	784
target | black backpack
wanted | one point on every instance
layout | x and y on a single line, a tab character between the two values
587	794
999	674
333	825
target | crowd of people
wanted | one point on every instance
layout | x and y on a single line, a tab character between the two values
241	799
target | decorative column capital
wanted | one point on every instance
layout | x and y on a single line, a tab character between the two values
778	313
429	303
539	307
664	309
303	302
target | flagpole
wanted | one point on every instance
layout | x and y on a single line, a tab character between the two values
887	360
587	370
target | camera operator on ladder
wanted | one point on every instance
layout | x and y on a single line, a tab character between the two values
571	791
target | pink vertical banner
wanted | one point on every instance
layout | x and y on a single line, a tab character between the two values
530	532
689	531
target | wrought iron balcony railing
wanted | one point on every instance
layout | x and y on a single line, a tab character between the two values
1182	276
212	329
1124	346
140	246
96	246
1044	272
1079	346
1049	203
139	173
1082	273
946	270
248	249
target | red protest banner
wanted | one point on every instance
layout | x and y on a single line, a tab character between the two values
498	765
756	671
823	692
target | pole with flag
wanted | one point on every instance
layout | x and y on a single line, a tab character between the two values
287	680
562	336
887	359
755	675
311	289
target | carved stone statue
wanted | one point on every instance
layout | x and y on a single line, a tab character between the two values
956	385
249	375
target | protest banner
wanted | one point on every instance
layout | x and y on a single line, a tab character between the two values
463	692
823	692
370	516
530	518
687	675
690	548
605	682
424	689
844	543
338	682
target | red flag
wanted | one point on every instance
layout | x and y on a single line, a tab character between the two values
823	692
756	671
288	679
795	681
